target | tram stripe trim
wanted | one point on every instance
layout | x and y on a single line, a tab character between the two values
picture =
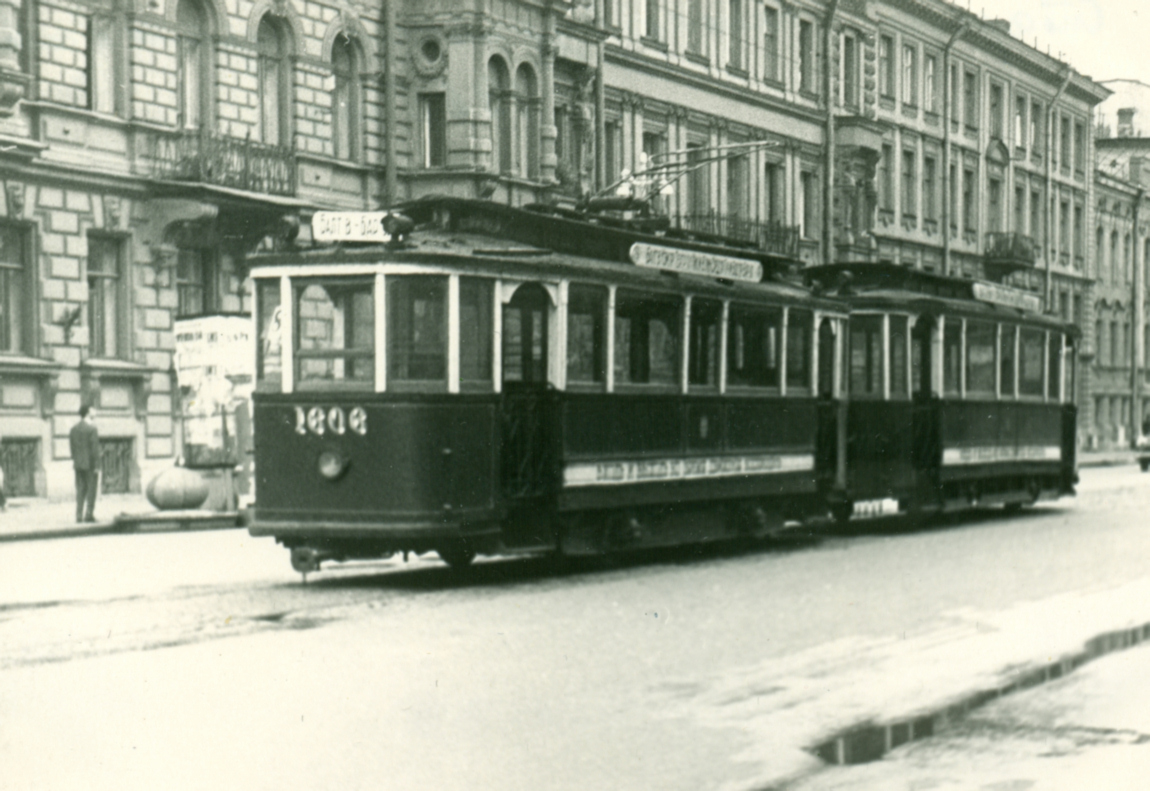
989	454
622	472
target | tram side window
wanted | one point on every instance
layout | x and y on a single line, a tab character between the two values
1030	362
866	356
951	356
335	332
703	351
1054	352
920	357
586	334
799	348
417	328
1068	370
981	338
1006	356
753	336
647	330
270	354
898	333
476	329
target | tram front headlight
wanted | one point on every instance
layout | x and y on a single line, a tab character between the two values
332	464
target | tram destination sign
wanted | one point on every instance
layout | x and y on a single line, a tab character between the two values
692	262
349	226
1009	297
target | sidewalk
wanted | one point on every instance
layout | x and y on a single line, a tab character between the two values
29	518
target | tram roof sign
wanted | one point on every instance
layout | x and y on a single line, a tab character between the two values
1007	296
349	226
693	262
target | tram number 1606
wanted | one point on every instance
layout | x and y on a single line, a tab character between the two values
319	420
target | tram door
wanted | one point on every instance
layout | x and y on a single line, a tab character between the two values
827	450
528	453
926	448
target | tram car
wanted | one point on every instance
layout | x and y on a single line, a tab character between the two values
961	392
479	378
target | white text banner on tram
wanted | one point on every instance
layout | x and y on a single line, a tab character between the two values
691	262
349	226
1007	296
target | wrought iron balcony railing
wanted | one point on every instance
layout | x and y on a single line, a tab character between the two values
223	161
1007	247
770	237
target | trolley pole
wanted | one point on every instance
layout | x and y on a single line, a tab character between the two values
1137	347
829	170
391	187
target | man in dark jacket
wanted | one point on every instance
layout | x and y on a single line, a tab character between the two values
85	444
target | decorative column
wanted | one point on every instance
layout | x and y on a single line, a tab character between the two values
13	81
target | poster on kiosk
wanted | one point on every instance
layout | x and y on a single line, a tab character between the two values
215	367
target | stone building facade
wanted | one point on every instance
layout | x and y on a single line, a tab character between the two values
145	148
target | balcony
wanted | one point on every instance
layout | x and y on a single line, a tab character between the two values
223	161
1008	252
768	237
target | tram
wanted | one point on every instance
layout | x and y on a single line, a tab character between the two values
479	378
961	392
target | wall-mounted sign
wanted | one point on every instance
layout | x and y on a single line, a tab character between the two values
1007	296
691	262
349	226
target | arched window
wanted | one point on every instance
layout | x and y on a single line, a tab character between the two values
193	53
345	101
526	123
273	83
498	88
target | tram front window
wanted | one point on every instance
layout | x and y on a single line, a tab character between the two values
269	362
335	333
417	328
1006	345
952	356
647	332
706	319
898	359
1055	377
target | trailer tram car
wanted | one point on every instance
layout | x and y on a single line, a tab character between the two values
493	379
961	392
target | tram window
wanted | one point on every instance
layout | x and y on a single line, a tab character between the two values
799	348
647	332
920	357
753	346
1006	345
951	356
1054	352
270	353
475	329
417	328
335	332
586	338
1068	371
866	356
1030	362
981	338
703	353
898	388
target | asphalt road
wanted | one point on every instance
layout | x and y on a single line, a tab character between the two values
199	660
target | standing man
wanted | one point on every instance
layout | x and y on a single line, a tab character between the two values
85	443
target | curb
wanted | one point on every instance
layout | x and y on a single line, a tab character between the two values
869	742
128	524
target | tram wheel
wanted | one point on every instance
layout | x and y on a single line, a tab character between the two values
842	511
456	557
